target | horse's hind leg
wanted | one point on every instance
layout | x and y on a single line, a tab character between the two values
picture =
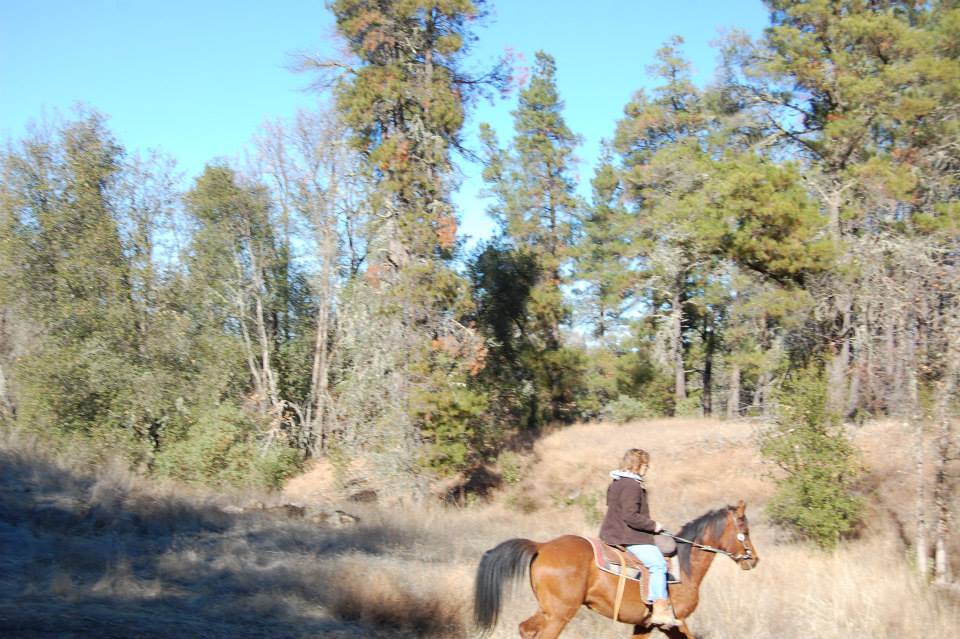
530	628
551	618
543	626
559	596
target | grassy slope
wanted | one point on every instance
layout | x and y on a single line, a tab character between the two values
104	554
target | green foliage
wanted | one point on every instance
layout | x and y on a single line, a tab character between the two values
772	226
604	253
591	504
627	409
730	234
404	103
819	466
450	429
691	406
535	205
222	448
511	467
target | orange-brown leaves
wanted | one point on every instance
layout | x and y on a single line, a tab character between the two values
464	345
374	274
447	231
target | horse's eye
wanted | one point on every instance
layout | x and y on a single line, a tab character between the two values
741	536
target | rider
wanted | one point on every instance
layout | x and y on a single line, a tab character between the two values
628	523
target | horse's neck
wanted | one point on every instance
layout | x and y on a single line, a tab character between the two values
686	594
700	562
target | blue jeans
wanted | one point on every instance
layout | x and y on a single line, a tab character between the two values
653	559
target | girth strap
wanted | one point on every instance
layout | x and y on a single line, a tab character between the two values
621	582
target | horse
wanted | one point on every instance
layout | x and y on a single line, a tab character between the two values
564	576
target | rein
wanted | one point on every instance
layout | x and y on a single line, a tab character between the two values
737	558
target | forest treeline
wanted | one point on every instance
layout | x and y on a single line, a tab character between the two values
799	213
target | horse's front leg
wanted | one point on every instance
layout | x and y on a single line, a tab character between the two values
641	632
679	632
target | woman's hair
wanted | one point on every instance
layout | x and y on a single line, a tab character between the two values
634	460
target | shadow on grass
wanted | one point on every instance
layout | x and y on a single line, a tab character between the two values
86	556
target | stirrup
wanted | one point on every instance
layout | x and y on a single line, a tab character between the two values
673	572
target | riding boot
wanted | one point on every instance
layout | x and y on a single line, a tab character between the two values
663	614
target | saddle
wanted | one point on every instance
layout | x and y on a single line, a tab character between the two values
610	559
607	558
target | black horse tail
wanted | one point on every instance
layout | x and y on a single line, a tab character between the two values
508	561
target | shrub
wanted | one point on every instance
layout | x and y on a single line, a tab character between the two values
627	409
818	464
221	448
511	467
450	428
688	407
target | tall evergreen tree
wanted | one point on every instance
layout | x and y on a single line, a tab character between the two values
405	103
666	161
537	210
705	201
604	253
844	87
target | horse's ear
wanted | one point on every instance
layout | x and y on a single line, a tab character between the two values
741	508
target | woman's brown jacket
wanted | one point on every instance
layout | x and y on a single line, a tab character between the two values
627	521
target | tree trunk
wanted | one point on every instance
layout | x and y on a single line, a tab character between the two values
319	379
839	366
942	489
241	302
707	394
921	545
676	339
858	364
894	364
942	499
6	411
733	399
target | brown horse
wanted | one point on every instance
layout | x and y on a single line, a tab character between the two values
564	576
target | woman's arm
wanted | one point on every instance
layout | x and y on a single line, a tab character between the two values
631	507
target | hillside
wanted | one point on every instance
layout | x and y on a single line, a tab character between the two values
107	554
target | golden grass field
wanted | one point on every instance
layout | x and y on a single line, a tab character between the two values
103	553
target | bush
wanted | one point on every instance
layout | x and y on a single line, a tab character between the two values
819	464
221	448
689	407
627	409
450	428
511	467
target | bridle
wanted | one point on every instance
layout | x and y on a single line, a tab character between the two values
741	537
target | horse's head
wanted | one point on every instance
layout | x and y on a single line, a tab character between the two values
736	537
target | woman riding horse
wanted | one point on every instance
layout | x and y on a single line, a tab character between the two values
564	575
628	523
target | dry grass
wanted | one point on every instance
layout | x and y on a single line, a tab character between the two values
106	554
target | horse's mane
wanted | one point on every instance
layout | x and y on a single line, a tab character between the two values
693	530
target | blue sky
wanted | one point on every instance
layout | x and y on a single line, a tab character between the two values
196	78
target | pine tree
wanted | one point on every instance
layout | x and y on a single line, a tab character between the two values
663	145
844	87
537	210
405	104
604	253
818	465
